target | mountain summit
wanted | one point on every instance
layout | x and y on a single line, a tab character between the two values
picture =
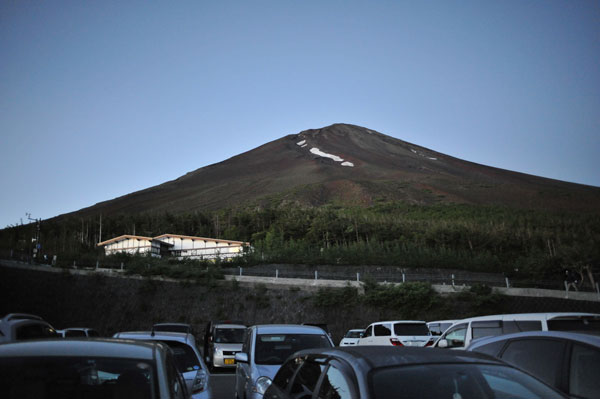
350	164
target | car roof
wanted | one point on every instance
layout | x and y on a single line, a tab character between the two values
100	347
369	357
533	316
20	316
356	329
593	340
400	321
288	329
157	335
227	325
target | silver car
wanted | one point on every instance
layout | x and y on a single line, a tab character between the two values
187	358
225	340
265	349
89	368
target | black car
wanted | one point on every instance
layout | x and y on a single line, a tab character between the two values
391	372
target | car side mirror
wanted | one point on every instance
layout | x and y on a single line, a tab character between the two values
241	357
443	343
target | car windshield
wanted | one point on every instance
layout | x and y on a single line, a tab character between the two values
229	335
275	348
353	334
76	377
185	357
411	329
457	381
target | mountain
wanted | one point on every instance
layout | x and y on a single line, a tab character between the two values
352	165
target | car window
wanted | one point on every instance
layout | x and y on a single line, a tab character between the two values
33	331
368	331
335	385
382	330
352	334
448	381
588	326
492	349
411	329
306	380
276	348
514	326
75	333
175	382
286	372
229	335
583	374
481	329
185	357
456	336
82	377
540	357
93	333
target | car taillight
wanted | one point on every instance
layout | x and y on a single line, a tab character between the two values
396	342
199	382
430	342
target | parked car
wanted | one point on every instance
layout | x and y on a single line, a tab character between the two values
351	337
74	332
97	368
438	327
224	341
23	326
265	348
570	362
397	333
362	372
187	358
460	335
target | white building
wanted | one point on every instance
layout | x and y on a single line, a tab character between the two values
181	247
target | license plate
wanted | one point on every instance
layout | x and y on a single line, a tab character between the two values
229	361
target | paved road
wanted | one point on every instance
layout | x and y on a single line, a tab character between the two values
223	384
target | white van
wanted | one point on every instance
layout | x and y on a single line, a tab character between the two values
397	333
460	335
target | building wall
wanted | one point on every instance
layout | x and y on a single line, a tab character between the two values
128	245
202	248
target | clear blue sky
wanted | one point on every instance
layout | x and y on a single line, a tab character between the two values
99	99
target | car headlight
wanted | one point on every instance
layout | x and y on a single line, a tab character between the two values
219	352
262	383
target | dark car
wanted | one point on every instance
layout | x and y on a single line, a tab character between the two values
380	372
569	362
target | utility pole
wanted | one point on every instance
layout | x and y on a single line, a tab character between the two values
37	246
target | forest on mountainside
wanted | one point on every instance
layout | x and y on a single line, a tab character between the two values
475	238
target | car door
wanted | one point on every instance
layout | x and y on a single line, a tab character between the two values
382	334
242	371
367	338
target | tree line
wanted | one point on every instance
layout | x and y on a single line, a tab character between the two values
478	238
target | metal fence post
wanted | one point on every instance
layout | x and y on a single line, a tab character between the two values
316	275
358	277
276	273
403	277
598	290
121	266
507	283
240	271
97	264
453	280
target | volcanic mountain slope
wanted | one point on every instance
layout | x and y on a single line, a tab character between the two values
352	165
